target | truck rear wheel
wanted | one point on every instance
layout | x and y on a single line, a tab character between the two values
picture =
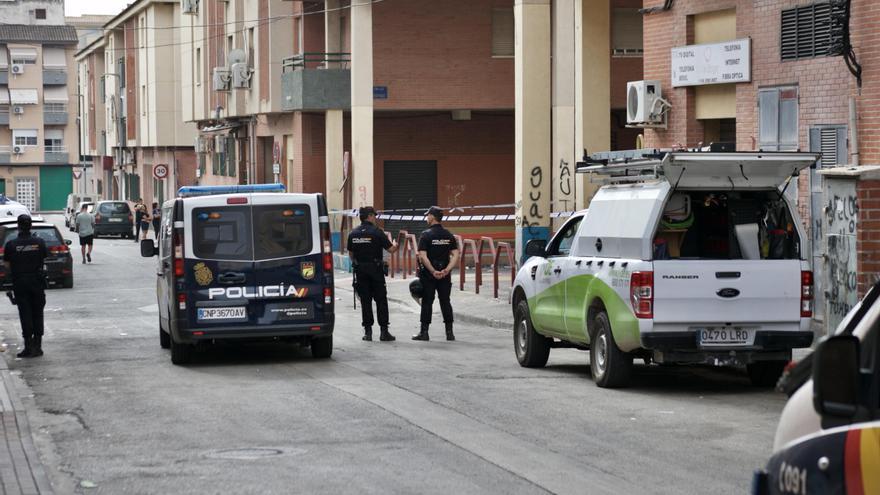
765	373
180	353
532	349
164	339
322	347
611	367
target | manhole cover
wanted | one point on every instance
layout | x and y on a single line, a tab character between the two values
250	454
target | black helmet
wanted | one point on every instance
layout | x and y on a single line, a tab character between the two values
24	223
416	290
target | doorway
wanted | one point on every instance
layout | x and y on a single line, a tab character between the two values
409	186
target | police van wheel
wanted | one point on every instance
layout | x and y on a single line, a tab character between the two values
322	347
164	339
68	282
765	373
611	367
532	349
180	353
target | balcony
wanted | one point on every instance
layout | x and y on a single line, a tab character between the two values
54	114
54	77
5	155
56	154
316	81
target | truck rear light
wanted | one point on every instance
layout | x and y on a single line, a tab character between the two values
58	250
181	301
177	242
806	294
98	217
238	200
130	218
326	247
328	295
641	294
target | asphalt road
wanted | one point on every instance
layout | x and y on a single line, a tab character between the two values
111	414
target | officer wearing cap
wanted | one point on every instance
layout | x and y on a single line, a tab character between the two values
365	245
23	258
438	254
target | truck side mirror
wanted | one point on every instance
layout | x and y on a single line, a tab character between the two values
536	247
836	378
148	249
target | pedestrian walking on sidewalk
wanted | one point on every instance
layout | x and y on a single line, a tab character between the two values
438	255
24	257
365	245
139	211
157	219
85	227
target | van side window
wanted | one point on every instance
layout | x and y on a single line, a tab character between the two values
561	245
222	233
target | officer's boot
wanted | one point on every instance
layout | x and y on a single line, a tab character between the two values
28	349
386	336
449	334
423	333
368	334
37	349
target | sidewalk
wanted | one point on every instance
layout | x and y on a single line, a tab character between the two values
476	309
20	469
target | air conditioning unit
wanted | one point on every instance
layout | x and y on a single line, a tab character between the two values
221	79
17	150
17	68
189	6
644	102
18	110
241	76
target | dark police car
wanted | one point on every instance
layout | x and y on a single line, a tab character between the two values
244	262
59	264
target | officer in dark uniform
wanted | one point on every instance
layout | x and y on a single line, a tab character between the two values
438	255
365	245
23	258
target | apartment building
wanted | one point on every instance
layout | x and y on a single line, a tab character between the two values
38	137
130	79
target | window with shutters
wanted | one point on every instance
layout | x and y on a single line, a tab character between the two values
502	32
806	32
778	119
626	33
830	140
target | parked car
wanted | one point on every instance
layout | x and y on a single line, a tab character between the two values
114	218
10	208
59	264
71	221
828	437
684	258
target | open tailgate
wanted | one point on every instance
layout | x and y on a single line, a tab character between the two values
734	170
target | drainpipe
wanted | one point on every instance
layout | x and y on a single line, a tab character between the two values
853	132
252	150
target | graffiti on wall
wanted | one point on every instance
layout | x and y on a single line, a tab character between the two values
529	206
840	217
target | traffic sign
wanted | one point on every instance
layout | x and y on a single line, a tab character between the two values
160	171
77	174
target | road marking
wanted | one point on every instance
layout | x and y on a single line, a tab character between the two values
150	308
546	469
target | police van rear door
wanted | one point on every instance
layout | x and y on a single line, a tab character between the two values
219	272
288	259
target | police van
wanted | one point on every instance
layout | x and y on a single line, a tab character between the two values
683	257
243	262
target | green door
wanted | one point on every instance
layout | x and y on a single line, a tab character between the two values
3	187
55	184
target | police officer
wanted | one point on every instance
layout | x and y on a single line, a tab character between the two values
365	245
438	254
23	258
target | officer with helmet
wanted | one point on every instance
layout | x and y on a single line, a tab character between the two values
23	258
365	245
438	255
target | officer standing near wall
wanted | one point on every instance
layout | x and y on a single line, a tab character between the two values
365	245
438	255
23	258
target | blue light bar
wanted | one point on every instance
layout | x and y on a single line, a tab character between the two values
190	191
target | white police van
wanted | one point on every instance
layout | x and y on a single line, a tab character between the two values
683	257
243	262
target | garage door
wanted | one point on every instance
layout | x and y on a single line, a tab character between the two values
410	185
26	193
55	184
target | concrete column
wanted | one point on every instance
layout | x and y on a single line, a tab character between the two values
331	30
564	152
362	103
592	85
533	121
334	143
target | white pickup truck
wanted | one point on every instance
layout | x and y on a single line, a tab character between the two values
689	257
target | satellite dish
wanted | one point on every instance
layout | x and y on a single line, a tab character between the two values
237	56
